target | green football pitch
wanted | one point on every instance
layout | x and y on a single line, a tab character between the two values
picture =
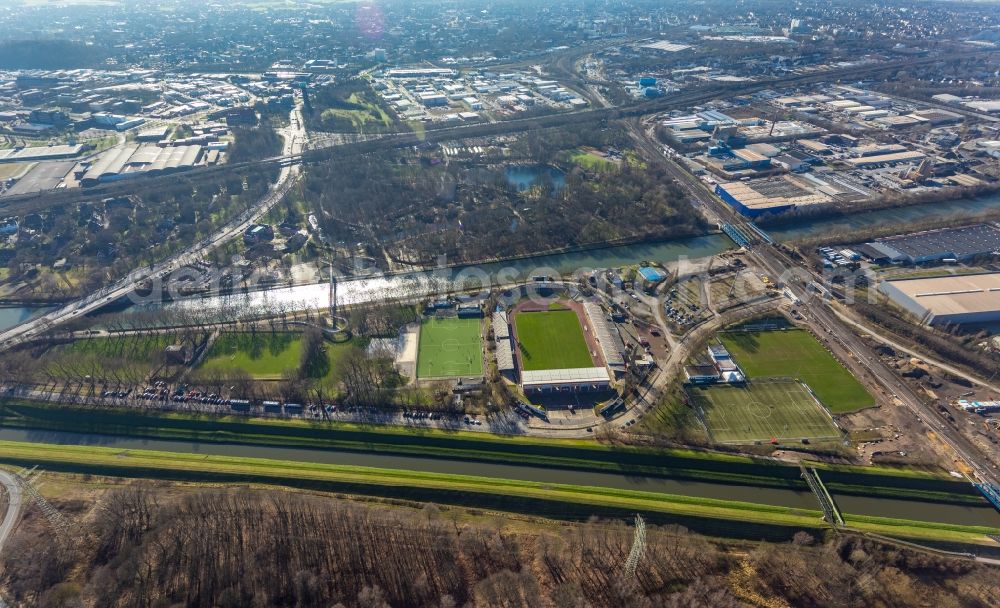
761	412
797	354
551	340
449	348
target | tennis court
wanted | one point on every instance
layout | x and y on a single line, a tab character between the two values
449	348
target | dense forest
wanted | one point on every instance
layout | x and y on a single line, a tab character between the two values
149	547
416	208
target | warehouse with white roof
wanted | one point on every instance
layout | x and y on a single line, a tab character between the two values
957	300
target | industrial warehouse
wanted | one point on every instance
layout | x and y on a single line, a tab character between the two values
770	196
134	160
955	300
958	244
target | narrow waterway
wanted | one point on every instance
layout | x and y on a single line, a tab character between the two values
13	316
424	284
983	515
445	280
958	209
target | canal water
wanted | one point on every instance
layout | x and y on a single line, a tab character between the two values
958	209
12	316
445	280
983	515
422	284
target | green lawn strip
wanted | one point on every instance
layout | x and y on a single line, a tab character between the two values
130	347
908	528
471	490
551	340
797	354
152	463
592	162
263	356
575	454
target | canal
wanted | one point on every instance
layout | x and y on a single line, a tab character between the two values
983	515
15	315
442	281
960	210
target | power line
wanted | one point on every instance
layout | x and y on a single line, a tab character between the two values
638	548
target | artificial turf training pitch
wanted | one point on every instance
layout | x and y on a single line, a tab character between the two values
551	340
449	348
797	354
761	412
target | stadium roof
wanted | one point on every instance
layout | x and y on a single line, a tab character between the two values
501	329
607	337
580	375
505	355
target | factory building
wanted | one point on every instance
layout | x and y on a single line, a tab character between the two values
133	160
40	153
956	300
957	244
785	193
886	159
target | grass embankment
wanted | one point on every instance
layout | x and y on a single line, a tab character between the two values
797	354
480	447
562	501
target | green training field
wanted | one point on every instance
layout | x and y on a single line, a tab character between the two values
449	348
551	340
797	354
762	411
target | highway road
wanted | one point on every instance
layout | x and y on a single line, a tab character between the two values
295	141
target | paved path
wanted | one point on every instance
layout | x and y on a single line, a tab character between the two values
914	353
13	491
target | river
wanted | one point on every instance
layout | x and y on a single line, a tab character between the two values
983	515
